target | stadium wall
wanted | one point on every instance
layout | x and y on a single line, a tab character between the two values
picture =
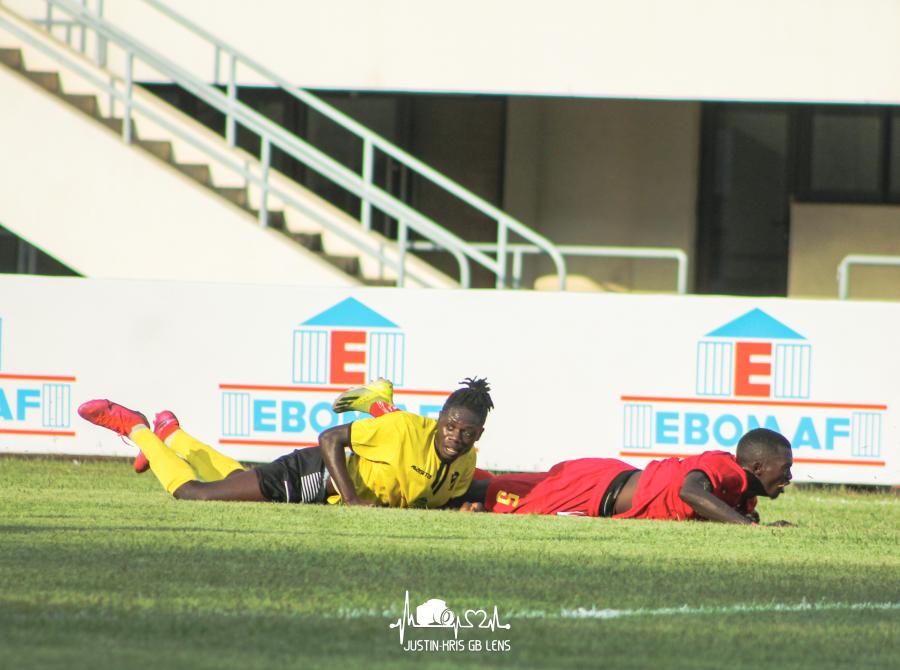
822	234
253	370
605	172
688	50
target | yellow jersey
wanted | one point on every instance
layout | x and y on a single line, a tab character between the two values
395	464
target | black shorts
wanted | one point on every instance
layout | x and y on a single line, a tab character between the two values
298	477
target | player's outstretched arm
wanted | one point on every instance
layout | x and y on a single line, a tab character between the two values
333	442
473	499
697	492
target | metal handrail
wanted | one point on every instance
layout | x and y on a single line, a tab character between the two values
843	269
272	134
366	245
369	194
520	250
505	223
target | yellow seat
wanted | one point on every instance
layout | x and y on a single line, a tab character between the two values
577	283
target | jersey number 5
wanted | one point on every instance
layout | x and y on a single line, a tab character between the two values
506	498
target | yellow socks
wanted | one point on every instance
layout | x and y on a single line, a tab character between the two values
170	470
209	463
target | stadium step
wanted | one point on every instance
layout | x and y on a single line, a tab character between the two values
348	264
162	149
312	241
196	171
46	80
86	103
11	58
199	172
113	123
275	218
238	196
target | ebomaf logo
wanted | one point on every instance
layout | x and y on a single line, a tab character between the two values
34	405
754	372
345	345
348	344
754	356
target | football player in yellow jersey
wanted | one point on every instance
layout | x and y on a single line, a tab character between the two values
398	460
404	460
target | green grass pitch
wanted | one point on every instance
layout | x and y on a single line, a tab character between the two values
99	568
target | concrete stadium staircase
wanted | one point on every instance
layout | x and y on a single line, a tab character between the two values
201	173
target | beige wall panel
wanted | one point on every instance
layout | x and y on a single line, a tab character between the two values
822	234
606	172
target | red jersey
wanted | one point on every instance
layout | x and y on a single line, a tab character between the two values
570	488
657	492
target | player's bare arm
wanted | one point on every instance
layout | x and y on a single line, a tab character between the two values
697	492
472	507
333	443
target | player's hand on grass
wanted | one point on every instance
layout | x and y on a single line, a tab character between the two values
753	516
359	502
472	507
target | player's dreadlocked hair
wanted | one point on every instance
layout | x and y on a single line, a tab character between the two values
476	397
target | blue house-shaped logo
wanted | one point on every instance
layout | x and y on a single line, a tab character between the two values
346	344
755	355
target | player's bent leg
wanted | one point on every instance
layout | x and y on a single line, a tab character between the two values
171	471
242	486
141	463
210	464
120	419
375	398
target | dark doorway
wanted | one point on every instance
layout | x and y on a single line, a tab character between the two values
743	233
17	256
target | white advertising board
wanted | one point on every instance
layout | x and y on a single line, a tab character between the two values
252	369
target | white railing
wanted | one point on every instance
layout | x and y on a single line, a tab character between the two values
271	134
843	270
121	91
519	251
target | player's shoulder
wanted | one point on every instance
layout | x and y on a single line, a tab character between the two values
717	455
720	465
403	418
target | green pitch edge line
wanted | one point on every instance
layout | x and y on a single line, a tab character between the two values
597	613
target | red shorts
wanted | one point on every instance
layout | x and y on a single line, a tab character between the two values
570	488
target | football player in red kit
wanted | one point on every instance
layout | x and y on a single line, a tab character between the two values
714	485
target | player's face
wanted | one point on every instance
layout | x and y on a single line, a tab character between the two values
775	474
458	430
